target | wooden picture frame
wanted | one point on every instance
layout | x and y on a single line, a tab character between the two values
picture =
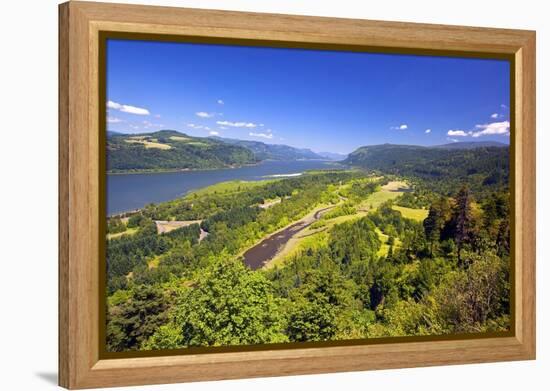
80	170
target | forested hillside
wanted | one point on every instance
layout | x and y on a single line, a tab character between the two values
443	169
171	150
263	151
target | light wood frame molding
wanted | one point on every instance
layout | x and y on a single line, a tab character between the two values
80	365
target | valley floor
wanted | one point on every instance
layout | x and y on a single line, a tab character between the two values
328	255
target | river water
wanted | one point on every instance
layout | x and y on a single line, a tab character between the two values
127	192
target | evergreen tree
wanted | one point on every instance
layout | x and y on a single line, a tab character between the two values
462	220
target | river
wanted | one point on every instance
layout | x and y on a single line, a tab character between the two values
257	256
126	192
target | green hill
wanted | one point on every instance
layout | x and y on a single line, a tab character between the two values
482	168
170	150
264	151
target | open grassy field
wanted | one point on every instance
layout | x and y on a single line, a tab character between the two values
178	138
388	192
410	213
227	187
167	226
129	231
149	144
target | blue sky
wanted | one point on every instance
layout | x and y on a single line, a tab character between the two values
323	100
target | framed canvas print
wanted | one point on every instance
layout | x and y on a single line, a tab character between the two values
247	195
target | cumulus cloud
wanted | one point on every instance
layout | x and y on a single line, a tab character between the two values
237	124
428	131
221	102
204	114
149	125
262	135
400	127
459	133
494	115
454	140
214	133
494	128
113	120
127	108
198	127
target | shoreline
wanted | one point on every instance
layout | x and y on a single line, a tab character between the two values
180	170
177	170
190	191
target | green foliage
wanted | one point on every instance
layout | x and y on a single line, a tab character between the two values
345	209
355	241
468	299
115	225
441	170
131	322
228	305
446	274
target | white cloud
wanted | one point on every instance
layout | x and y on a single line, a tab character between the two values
262	135
113	120
221	102
214	133
127	108
223	128
454	140
460	133
503	106
400	127
494	128
195	126
149	125
428	131
494	115
157	115
237	124
204	114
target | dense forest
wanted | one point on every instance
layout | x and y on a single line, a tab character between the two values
416	242
443	168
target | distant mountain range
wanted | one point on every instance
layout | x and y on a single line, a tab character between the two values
263	151
333	156
171	150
